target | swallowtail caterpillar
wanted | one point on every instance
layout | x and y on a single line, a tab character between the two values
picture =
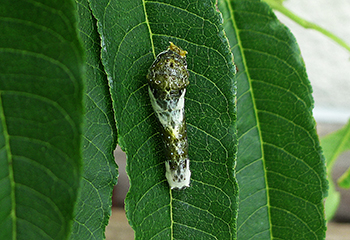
168	79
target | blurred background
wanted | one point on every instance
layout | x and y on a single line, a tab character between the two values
328	68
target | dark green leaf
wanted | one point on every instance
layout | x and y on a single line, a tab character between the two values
280	168
41	111
100	171
133	33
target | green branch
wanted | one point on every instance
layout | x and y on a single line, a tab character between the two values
277	5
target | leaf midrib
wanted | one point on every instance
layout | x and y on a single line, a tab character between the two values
244	62
10	170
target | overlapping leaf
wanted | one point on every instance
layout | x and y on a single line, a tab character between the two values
280	168
100	171
41	111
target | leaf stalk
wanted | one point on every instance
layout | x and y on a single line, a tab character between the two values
277	5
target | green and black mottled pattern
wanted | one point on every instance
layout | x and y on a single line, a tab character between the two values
168	79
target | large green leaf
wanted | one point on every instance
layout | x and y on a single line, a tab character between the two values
100	171
41	110
133	33
280	168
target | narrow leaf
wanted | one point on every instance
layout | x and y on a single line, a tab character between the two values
333	145
344	180
41	111
332	201
100	171
280	168
133	33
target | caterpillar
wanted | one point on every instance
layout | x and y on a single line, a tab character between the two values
167	82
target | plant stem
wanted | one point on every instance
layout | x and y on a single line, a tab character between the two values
277	5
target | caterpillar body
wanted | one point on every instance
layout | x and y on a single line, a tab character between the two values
168	79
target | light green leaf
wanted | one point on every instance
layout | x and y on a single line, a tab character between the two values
280	168
100	171
333	145
344	180
41	93
133	33
332	201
